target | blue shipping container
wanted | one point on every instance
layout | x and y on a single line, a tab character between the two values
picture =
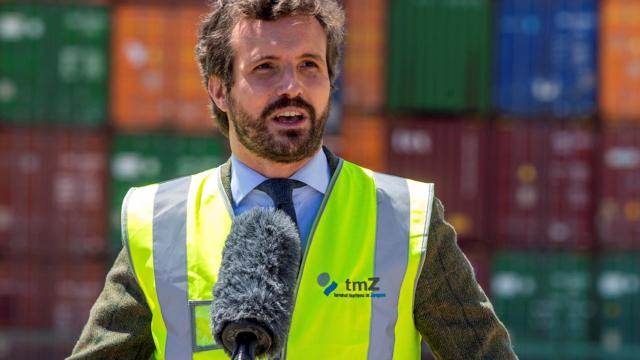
546	57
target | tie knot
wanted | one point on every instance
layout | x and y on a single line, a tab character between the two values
280	190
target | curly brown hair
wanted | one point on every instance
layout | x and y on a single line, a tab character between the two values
214	51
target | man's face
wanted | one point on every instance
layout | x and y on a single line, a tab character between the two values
279	100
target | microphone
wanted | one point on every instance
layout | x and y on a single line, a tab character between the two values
253	297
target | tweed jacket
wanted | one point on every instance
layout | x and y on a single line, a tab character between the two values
451	311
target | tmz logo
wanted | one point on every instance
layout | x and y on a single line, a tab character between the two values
351	288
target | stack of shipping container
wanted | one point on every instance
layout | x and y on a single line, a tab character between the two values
618	211
95	98
54	163
363	83
522	112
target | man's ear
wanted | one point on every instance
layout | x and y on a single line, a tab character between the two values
218	92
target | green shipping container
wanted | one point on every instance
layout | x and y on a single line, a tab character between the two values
439	55
53	64
546	301
619	293
138	160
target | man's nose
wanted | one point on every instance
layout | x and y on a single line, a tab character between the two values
290	83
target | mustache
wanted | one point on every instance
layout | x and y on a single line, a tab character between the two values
285	102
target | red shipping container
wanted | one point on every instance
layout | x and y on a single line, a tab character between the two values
23	190
542	186
479	257
75	289
35	346
52	199
619	206
450	154
48	295
24	295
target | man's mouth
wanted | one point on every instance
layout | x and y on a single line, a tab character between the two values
289	117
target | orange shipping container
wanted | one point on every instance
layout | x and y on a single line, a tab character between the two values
155	81
620	60
364	55
363	141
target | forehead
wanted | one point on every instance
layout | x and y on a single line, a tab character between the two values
291	35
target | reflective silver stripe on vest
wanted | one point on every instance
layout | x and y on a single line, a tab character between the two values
391	259
124	229
170	264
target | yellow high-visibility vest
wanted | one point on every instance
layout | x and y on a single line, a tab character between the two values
355	290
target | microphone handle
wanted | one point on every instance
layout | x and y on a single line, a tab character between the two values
245	347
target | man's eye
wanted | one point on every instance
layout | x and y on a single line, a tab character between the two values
309	64
264	66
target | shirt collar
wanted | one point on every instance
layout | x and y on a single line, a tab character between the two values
315	173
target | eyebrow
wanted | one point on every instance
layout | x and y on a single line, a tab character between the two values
271	57
263	58
313	56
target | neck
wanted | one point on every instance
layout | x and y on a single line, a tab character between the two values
266	167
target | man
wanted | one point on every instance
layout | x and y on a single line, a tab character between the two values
269	68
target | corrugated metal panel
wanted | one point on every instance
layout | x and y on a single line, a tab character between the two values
546	302
542	186
450	154
138	160
52	201
619	207
620	60
53	63
155	82
619	292
545	59
364	62
438	54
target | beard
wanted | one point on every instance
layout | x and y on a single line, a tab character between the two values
286	146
